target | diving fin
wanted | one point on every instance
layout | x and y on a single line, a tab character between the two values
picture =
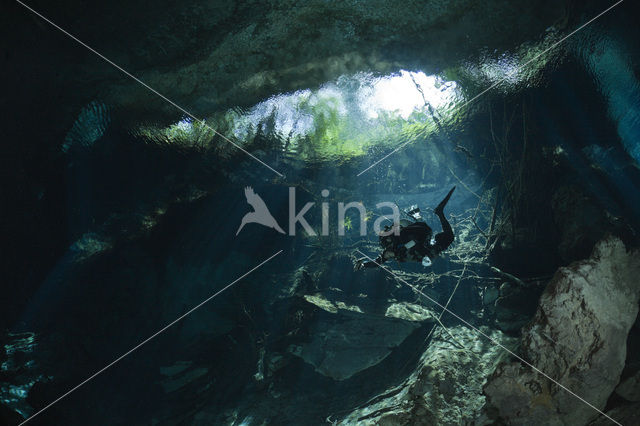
440	209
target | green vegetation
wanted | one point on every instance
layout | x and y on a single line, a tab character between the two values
337	123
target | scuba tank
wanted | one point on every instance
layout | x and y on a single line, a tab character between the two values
387	241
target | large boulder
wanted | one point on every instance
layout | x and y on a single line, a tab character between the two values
345	339
578	337
446	386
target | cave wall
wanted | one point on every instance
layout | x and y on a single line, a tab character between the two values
210	56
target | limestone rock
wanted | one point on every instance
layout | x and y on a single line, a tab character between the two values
445	388
331	39
578	337
344	344
409	312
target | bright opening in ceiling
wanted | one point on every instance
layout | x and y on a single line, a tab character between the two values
355	100
406	93
341	118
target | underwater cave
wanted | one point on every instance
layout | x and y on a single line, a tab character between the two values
236	213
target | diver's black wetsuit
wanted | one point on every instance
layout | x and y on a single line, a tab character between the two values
395	243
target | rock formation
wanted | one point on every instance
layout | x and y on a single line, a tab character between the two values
578	337
445	388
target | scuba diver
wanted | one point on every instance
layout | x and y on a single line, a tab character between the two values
411	241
